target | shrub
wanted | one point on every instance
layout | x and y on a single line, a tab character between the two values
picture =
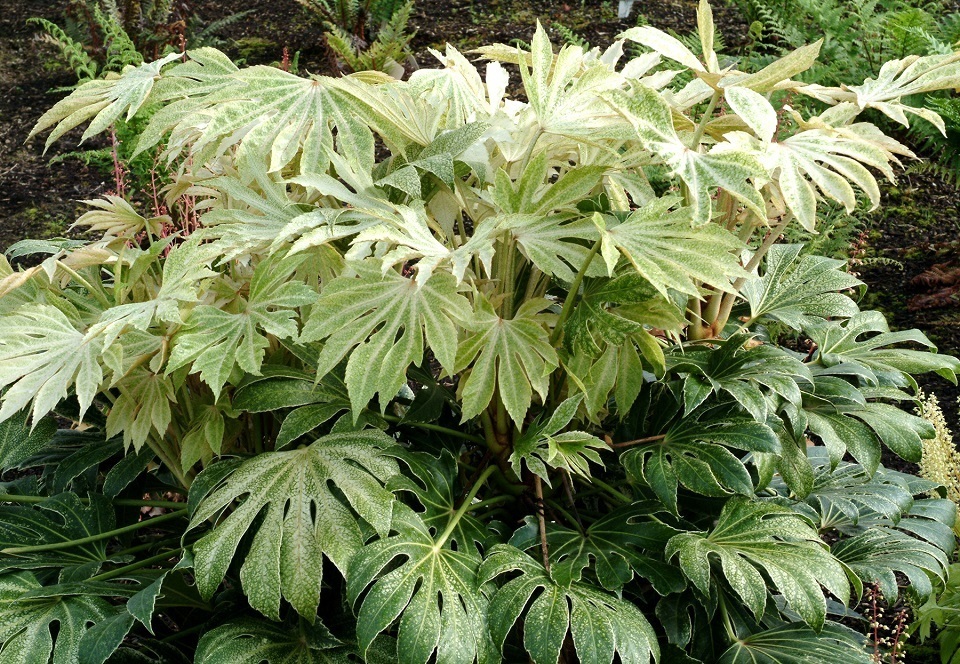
441	377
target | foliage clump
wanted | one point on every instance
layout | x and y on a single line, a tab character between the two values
440	376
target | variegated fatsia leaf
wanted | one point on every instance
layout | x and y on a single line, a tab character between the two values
43	356
800	290
299	517
663	247
103	100
362	316
513	354
214	340
737	171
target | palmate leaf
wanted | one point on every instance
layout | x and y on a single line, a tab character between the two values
249	641
362	316
667	251
741	372
57	520
300	517
434	485
845	421
693	453
103	100
723	166
797	291
839	343
42	356
434	592
842	493
542	446
143	407
512	354
878	554
596	320
627	542
601	624
25	631
214	340
795	643
751	536
564	91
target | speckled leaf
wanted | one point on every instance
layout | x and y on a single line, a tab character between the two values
25	631
434	592
362	316
751	536
600	623
300	517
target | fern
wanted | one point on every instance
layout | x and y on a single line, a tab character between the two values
72	51
570	37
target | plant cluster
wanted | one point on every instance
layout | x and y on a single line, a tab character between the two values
366	35
441	376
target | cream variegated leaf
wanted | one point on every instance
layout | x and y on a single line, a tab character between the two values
737	171
215	340
754	109
666	45
383	318
42	357
104	101
663	247
513	355
142	409
288	502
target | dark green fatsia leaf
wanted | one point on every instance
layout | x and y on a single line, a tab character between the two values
512	354
434	592
600	623
300	517
362	317
741	372
751	536
434	485
542	446
25	630
795	643
840	343
694	453
799	291
214	340
102	640
248	641
625	542
18	441
57	520
878	554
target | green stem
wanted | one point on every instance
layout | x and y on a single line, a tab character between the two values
704	119
120	502
465	507
435	427
132	567
490	434
611	491
148	545
95	538
98	294
572	294
490	501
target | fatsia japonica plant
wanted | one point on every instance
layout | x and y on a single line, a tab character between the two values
444	375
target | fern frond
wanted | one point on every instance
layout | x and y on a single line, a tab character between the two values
121	51
72	51
570	37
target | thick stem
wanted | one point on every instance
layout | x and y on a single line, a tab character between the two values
122	502
132	567
704	119
572	294
94	538
464	508
435	427
541	519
